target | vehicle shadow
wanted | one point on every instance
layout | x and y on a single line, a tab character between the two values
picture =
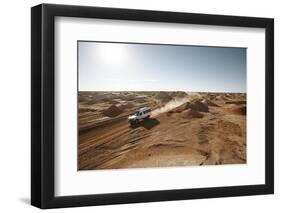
148	123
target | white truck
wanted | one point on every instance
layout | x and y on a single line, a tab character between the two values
141	114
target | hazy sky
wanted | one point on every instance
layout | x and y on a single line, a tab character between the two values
144	67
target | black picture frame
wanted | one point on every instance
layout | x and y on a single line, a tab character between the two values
43	101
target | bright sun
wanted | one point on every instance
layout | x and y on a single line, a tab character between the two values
113	54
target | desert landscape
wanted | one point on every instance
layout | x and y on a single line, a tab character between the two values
185	129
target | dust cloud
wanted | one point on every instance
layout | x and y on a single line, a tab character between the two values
169	106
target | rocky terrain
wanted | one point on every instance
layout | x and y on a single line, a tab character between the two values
185	129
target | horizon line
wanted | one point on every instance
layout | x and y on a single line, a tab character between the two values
161	91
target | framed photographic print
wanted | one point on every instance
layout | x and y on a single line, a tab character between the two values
139	106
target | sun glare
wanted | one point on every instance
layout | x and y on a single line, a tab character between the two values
113	54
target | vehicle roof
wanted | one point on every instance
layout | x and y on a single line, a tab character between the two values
143	108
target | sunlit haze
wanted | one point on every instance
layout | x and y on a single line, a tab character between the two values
145	67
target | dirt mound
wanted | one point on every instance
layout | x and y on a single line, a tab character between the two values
221	98
199	106
112	111
126	106
196	105
239	110
191	113
209	103
163	96
181	94
180	108
212	96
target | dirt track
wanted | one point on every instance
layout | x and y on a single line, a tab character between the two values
168	139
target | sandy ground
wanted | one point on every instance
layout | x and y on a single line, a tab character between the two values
185	129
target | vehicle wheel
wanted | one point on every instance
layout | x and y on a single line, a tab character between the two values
133	123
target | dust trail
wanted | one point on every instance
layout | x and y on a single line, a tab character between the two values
169	106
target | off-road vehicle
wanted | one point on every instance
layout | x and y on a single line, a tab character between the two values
140	115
